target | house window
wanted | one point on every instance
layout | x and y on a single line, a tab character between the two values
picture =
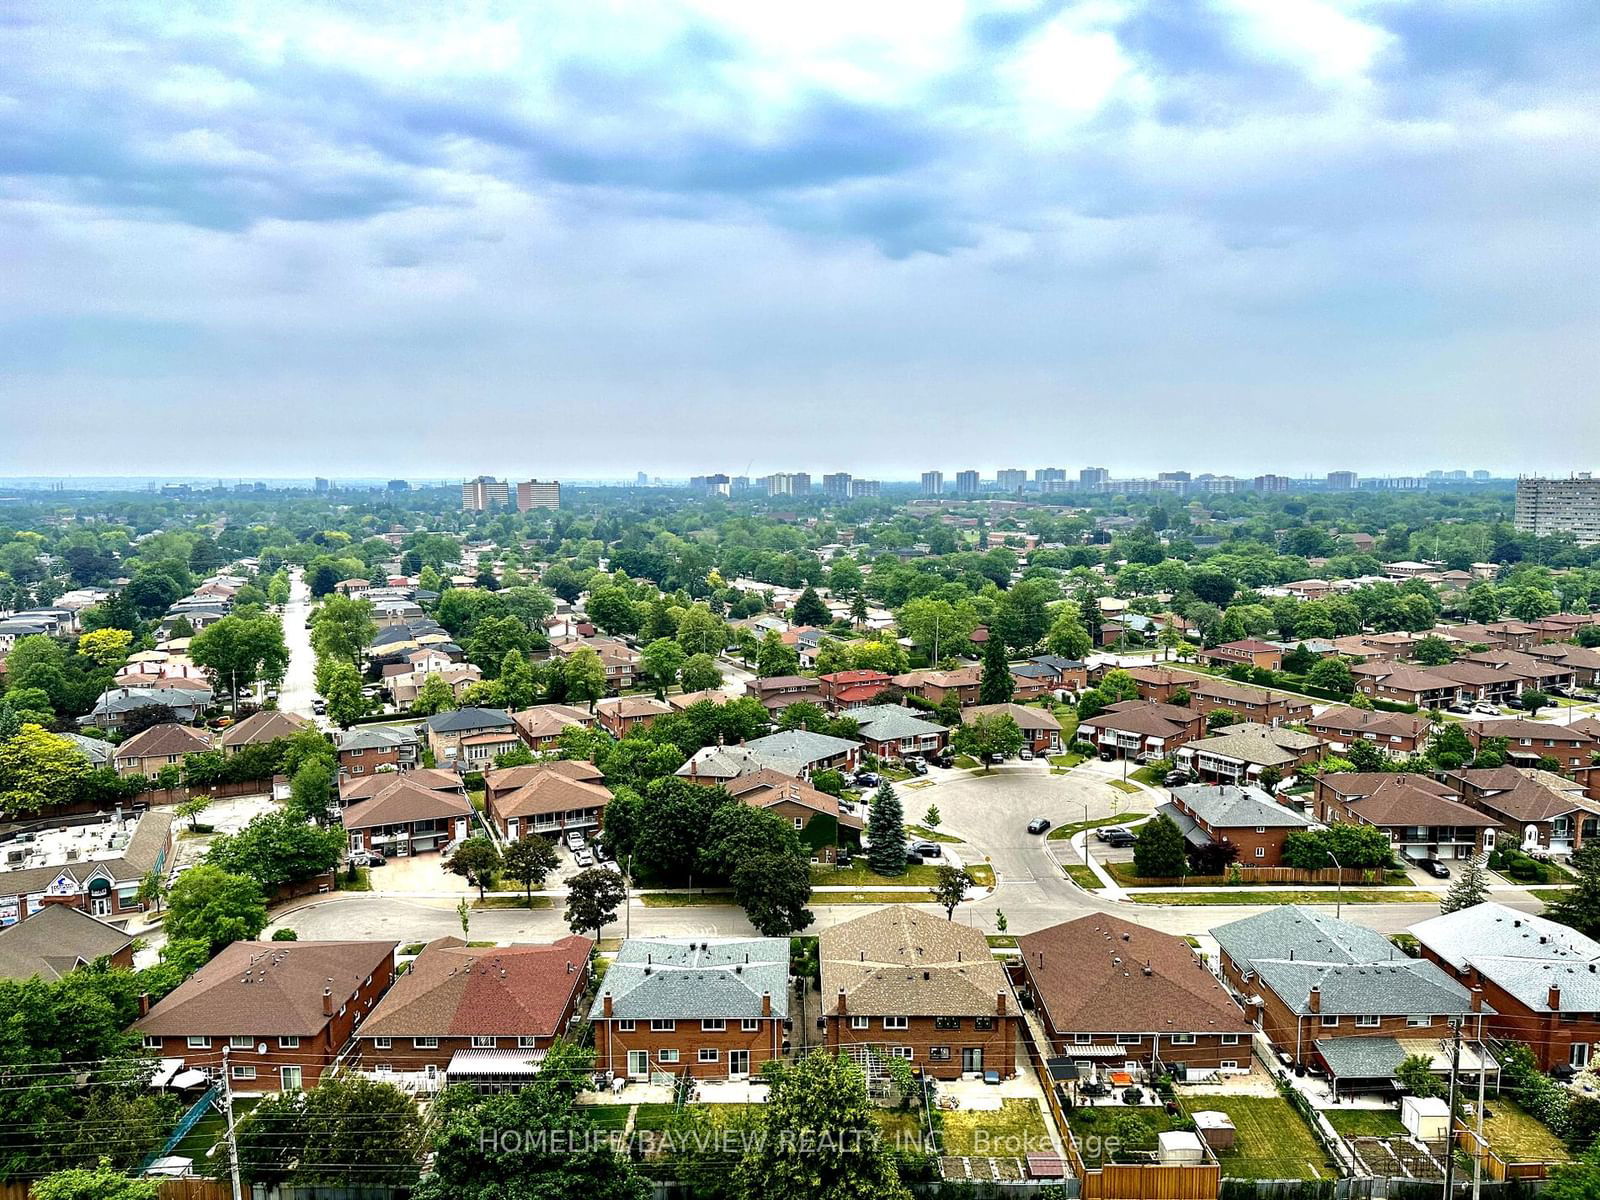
799	823
713	1025
1230	1039
1230	1064
1261	828
1261	851
901	1052
859	1022
661	1025
896	1022
527	1043
1181	1039
482	1043
1128	1039
288	1043
424	1043
1418	1022
382	1043
938	1053
947	1022
198	1043
239	1043
1330	1022
244	1072
667	1056
1083	1039
152	1041
982	1023
1368	1021
708	1054
625	1026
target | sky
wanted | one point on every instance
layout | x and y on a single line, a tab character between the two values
592	238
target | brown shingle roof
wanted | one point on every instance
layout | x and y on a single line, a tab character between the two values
262	727
550	792
764	788
428	777
163	740
1025	717
900	961
401	802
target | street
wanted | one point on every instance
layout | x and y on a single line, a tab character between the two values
299	681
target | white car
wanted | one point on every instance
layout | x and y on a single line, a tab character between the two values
584	858
574	840
1487	710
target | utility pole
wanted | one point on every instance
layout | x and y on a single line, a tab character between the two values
227	1110
627	901
1338	888
1477	1156
1450	1115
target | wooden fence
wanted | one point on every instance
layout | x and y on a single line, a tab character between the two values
1495	1167
169	1189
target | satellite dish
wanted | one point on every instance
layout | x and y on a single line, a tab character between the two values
261	1048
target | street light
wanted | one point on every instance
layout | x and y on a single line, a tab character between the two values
1086	834
1338	904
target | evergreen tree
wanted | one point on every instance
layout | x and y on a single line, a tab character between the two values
886	832
1159	852
997	685
810	610
1470	888
1579	907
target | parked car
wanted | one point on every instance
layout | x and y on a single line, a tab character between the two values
367	858
1434	867
319	706
1038	825
913	859
574	840
945	760
1025	754
928	849
1459	709
1176	778
1119	837
585	859
917	766
867	779
1107	756
997	758
1487	710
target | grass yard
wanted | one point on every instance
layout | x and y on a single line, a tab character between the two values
517	901
1274	1141
1093	1127
210	1130
361	883
899	1129
1516	1136
1018	1128
1365	1122
1123	786
906	897
607	1116
859	874
1083	876
1262	896
1548	895
923	833
685	899
1148	775
1002	941
966	762
1063	832
1062	763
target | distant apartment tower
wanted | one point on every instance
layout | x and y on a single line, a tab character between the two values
711	485
640	479
1271	483
796	483
1010	481
933	483
1549	506
1173	477
864	488
837	485
1480	477
398	485
320	486
966	483
535	494
1342	481
1050	475
739	485
1094	479
483	493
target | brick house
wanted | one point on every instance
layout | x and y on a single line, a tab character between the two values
479	1015
796	752
903	983
1112	994
1041	732
1582	661
1240	753
147	751
1401	683
1249	652
817	818
448	733
849	689
400	815
1142	728
1394	733
620	660
542	725
1246	818
57	940
367	750
546	798
1540	980
933	686
1266	706
1422	817
1535	810
1528	742
259	729
1531	671
283	1010
1341	997
621	715
893	731
780	691
711	1009
1065	674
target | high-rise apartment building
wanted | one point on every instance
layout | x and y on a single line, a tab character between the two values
1173	477
864	488
1011	480
837	484
1548	506
320	486
1271	483
1342	481
933	483
796	483
1049	475
483	493
966	483
1094	479
535	494
711	485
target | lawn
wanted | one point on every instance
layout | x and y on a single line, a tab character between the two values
685	899
900	1129
908	897
1548	895
517	901
1124	786
361	883
1061	763
1072	829
966	762
1516	1136
1262	896
1093	1126
925	834
1274	1141
1083	876
1017	1129
1365	1122
1148	775
859	874
210	1130
607	1116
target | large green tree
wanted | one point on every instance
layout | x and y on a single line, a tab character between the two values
212	907
996	686
886	833
1159	851
238	652
347	1127
278	848
984	734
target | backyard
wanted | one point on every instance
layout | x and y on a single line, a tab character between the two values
1516	1136
1365	1122
1274	1142
1015	1130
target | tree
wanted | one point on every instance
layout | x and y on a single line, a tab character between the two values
528	860
1578	1180
817	1137
774	889
1220	718
1533	700
1433	651
38	769
611	608
342	690
1067	636
661	660
931	818
212	908
464	915
585	676
434	696
886	834
774	658
108	647
593	897
477	860
101	1183
984	734
1159	851
237	652
348	1126
1470	888
518	681
701	631
1021	618
342	628
809	609
311	789
1579	906
996	686
1416	1076
1331	675
701	674
278	848
951	888
190	809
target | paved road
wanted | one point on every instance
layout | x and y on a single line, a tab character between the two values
299	681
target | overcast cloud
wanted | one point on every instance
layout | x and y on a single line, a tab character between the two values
584	239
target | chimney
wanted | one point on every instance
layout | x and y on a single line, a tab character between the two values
144	1004
1477	999
1555	997
327	1001
1314	1000
843	1005
999	1004
605	1005
766	1004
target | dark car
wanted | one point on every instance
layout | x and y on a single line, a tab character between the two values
1176	778
1120	837
913	859
1107	756
1038	825
1435	868
945	760
917	766
928	849
867	779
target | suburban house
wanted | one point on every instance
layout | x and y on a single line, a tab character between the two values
547	799
404	686
1582	661
259	729
908	984
894	731
282	1011
1242	752
371	748
710	1009
1249	652
401	816
483	1016
542	725
621	715
1394	733
620	660
1142	728
796	752
1041	732
819	821
1063	674
452	736
1266	706
1540	979
97	866
1538	811
780	691
57	940
1531	671
1402	683
934	685
1422	817
188	700
850	689
1341	996
147	751
1112	994
1246	818
1529	742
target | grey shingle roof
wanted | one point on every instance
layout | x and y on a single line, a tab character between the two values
887	722
1524	954
463	720
692	980
56	940
1228	807
376	737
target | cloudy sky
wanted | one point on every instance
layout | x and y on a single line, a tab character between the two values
584	239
